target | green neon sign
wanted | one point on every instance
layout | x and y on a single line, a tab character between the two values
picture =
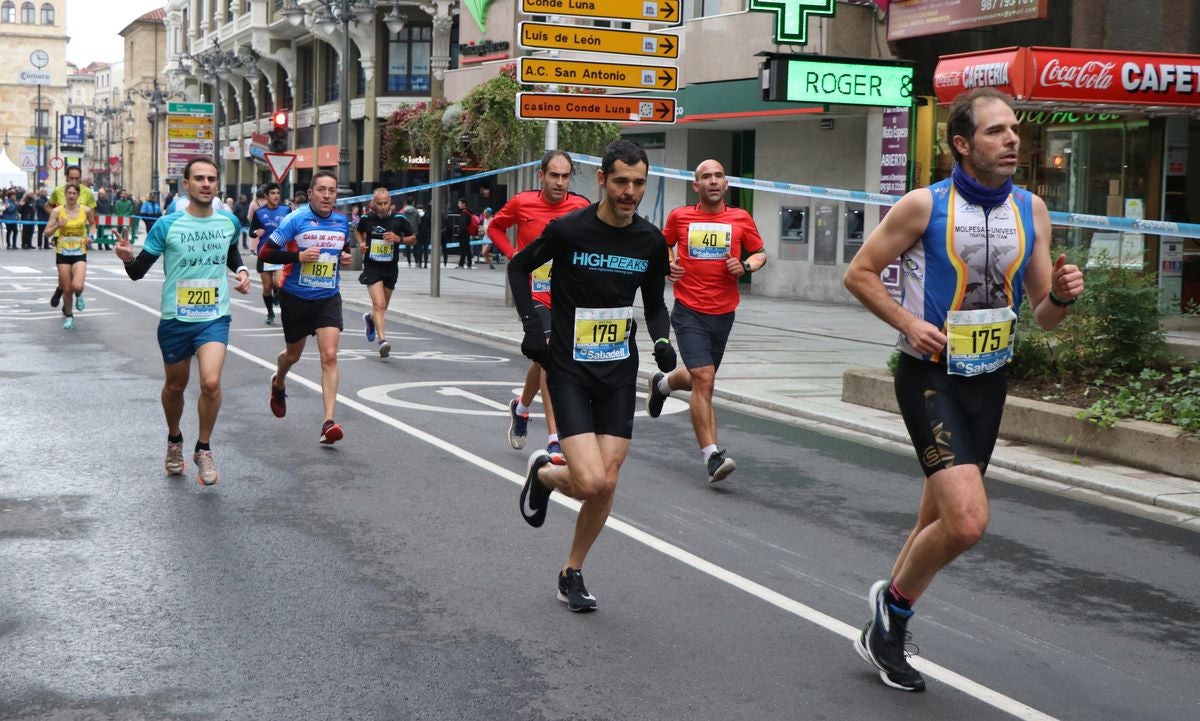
791	17
848	83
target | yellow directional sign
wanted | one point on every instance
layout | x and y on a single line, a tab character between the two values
597	75
547	36
653	11
601	108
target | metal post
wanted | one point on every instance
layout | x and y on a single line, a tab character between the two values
37	123
344	95
438	63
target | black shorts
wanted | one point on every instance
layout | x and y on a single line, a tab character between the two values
701	337
544	314
591	407
60	259
371	275
952	420
301	318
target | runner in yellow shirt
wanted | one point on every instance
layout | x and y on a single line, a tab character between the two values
56	200
75	225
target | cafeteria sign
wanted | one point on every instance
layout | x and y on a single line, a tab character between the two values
791	17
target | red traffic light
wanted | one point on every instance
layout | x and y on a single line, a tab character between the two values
280	119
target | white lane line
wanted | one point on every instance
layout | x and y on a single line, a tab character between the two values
21	269
955	680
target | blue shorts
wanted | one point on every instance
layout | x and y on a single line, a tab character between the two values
178	340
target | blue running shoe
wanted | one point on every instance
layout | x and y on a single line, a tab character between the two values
80	303
370	324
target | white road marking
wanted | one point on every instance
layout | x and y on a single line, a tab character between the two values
21	269
951	678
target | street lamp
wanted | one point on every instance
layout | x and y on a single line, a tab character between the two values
216	66
157	99
108	113
326	16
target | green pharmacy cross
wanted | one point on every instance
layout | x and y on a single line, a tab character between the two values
478	10
791	17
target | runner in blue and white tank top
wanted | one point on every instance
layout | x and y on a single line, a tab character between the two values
265	219
969	247
312	243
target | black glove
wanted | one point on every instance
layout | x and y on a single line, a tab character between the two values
664	356
533	345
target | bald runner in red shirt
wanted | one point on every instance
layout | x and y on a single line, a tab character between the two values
708	242
529	212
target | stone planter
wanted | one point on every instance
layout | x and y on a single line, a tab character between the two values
1137	444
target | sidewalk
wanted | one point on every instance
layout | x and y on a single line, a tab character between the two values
787	356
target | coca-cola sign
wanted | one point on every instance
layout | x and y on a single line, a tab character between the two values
1092	74
1089	76
1074	76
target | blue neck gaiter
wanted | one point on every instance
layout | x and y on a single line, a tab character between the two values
976	194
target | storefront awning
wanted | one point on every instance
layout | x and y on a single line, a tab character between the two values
1073	77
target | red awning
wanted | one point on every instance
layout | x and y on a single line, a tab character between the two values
1074	76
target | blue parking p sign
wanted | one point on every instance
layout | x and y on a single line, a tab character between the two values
70	130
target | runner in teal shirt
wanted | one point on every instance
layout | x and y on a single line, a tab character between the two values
196	245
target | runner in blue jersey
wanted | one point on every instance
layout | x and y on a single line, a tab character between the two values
263	222
968	246
197	246
312	242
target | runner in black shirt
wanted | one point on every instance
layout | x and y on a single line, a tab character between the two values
380	235
602	255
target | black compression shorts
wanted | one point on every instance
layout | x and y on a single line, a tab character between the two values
701	337
952	420
371	275
302	318
591	407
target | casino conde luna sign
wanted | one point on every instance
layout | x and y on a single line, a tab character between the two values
1074	76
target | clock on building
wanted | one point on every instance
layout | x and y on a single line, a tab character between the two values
39	58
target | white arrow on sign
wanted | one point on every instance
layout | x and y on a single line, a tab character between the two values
279	163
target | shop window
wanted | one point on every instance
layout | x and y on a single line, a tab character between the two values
408	60
47	14
8	12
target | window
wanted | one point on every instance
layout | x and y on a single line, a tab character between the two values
27	14
693	9
47	14
42	117
408	60
332	75
8	12
307	79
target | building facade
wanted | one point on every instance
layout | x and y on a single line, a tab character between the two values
25	28
145	97
254	57
1085	157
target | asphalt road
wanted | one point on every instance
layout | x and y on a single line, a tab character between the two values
390	576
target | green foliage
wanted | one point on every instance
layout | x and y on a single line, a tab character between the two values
1152	395
1114	326
488	129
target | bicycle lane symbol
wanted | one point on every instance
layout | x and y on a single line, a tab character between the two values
469	398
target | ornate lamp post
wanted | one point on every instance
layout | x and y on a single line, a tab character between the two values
326	15
156	98
108	113
217	66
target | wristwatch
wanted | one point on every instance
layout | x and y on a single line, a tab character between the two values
746	267
1059	302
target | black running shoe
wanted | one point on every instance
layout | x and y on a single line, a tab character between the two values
655	397
719	466
54	299
535	497
572	592
882	642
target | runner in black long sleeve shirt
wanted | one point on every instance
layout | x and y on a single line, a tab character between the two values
602	255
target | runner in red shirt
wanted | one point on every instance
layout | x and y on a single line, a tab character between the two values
707	242
530	211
